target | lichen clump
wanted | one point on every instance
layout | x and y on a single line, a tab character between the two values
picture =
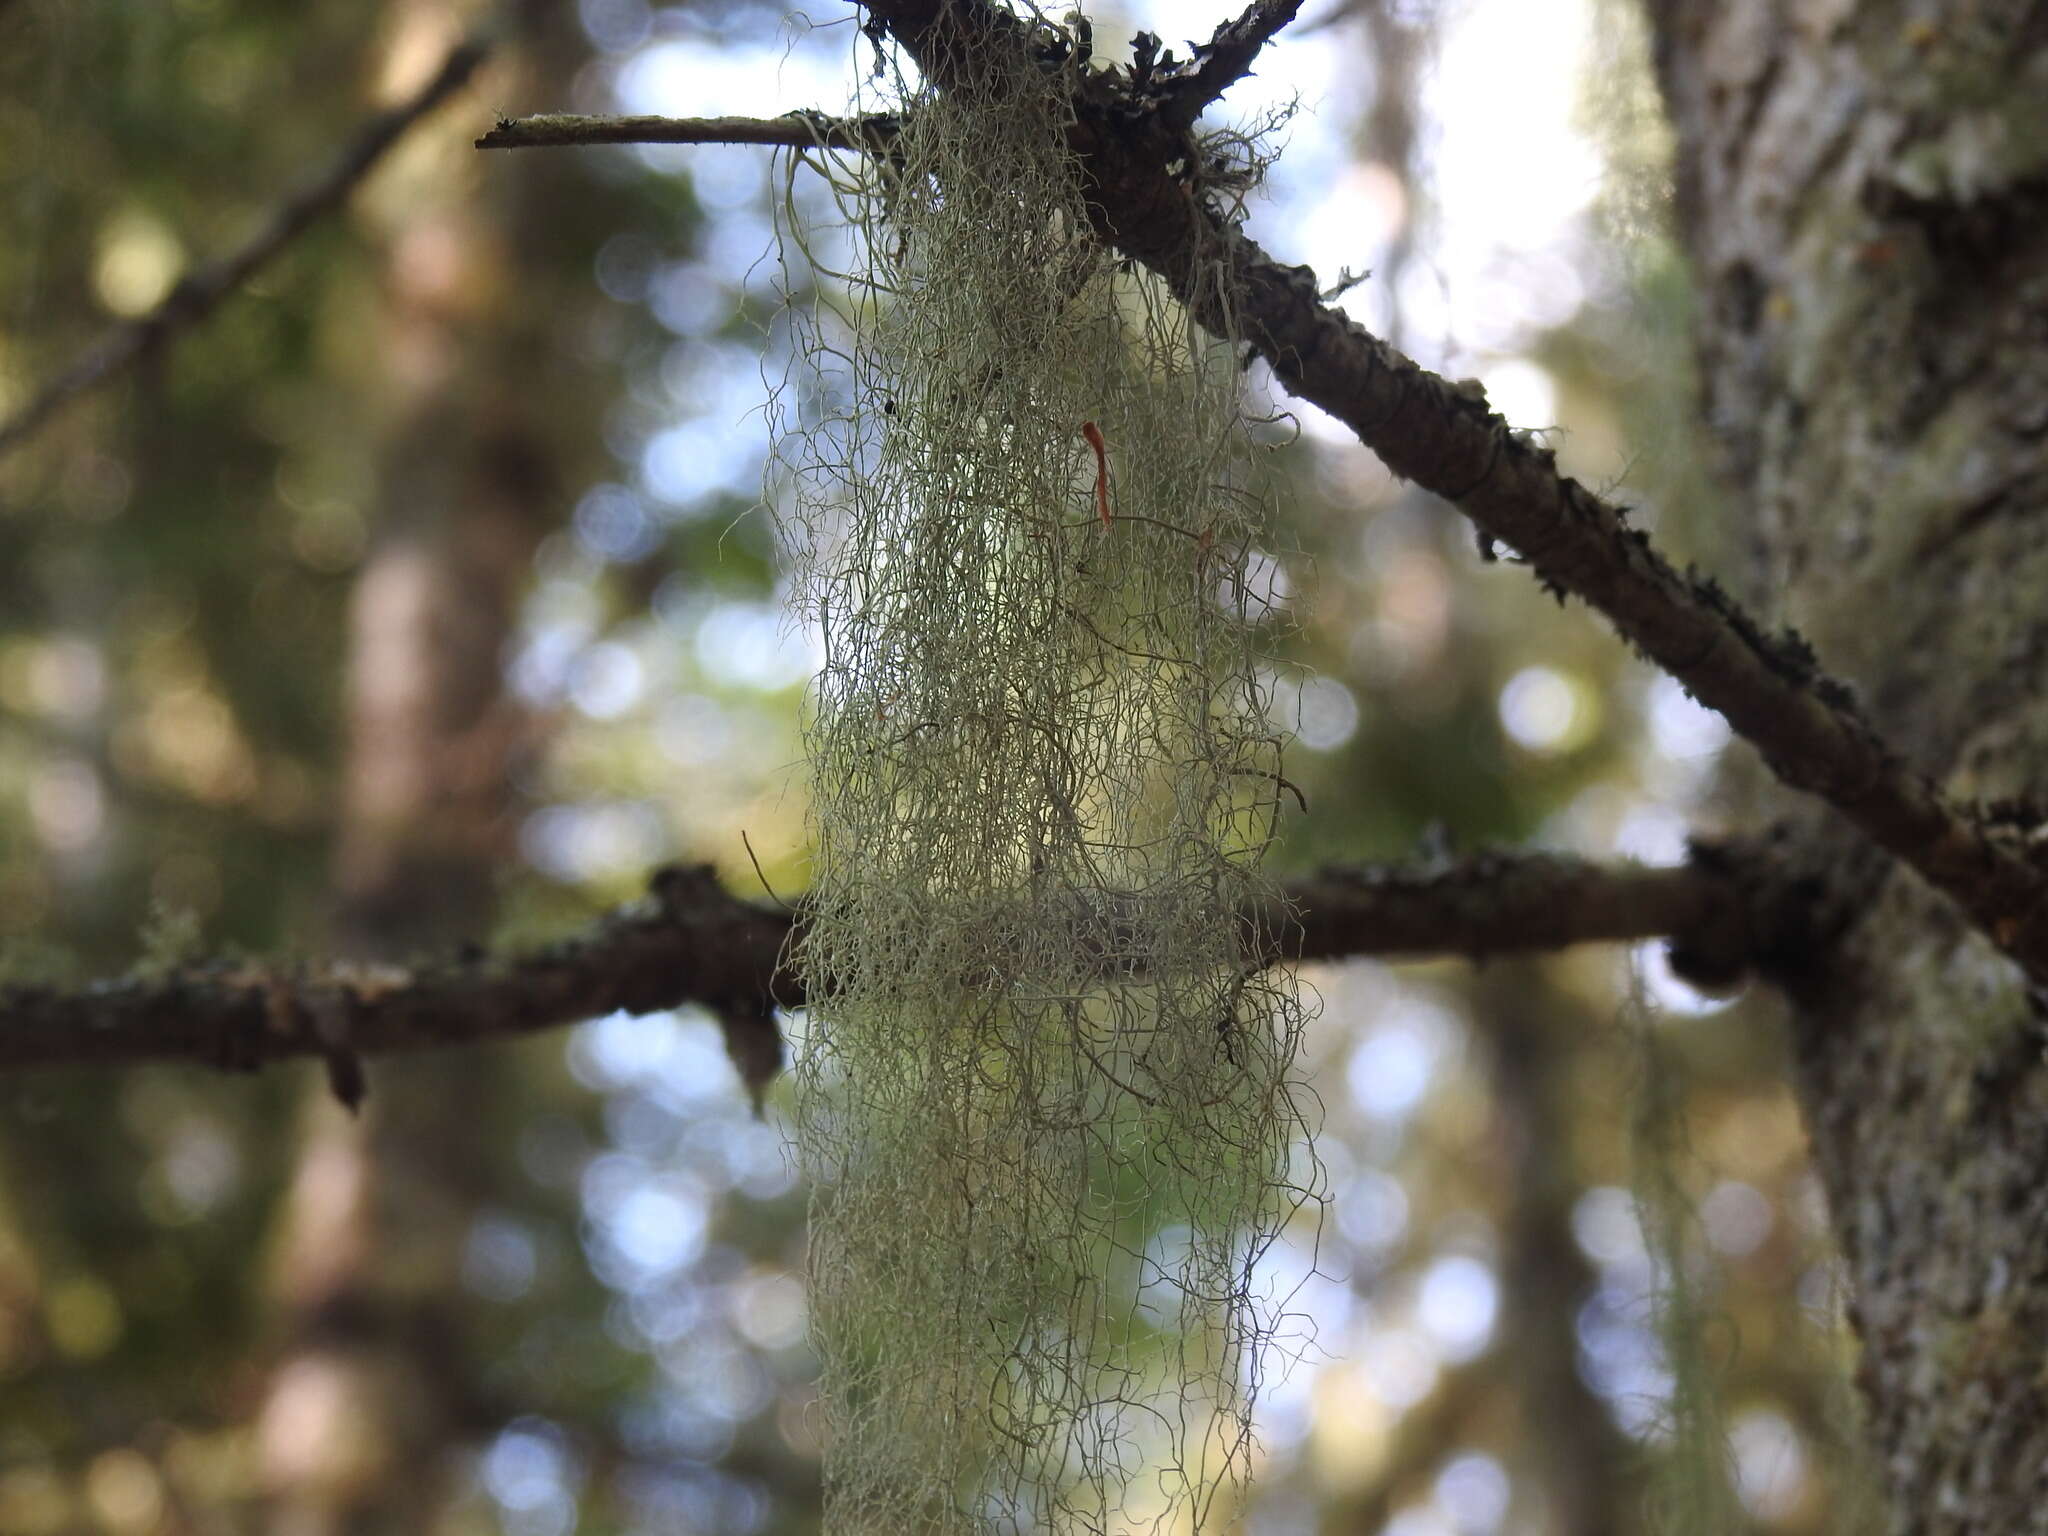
1045	1090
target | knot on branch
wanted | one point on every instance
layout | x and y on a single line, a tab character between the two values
690	895
1717	951
1776	915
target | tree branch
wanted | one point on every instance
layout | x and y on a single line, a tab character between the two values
1511	903
1225	59
1443	437
688	942
691	942
200	293
794	130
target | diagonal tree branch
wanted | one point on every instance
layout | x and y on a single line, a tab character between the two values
1225	59
200	293
691	942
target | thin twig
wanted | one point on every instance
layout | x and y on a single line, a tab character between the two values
797	130
754	859
200	293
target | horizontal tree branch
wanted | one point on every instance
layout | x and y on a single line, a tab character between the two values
201	292
795	130
691	942
1445	438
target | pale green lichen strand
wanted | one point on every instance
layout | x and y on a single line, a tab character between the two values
1045	1100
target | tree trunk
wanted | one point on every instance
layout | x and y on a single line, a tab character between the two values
1577	1463
374	1387
1864	196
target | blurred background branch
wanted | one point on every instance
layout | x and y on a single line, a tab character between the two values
197	294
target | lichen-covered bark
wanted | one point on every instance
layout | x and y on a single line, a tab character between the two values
1863	189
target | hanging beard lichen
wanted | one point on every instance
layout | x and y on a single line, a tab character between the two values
1045	1095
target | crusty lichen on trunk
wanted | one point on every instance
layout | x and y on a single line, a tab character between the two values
1864	196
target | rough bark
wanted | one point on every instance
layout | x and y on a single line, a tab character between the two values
1863	191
